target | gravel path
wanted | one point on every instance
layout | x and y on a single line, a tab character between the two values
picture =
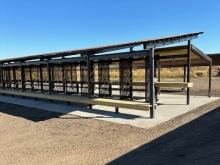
32	136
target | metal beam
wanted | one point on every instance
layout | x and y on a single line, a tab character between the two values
181	63
172	56
189	50
125	55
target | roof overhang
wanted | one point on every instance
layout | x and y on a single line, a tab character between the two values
178	55
215	58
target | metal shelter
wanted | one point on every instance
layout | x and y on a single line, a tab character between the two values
75	72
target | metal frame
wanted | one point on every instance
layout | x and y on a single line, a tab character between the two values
44	66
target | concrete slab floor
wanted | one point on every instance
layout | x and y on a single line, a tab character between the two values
170	106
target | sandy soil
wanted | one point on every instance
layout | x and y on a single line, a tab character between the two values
200	86
32	136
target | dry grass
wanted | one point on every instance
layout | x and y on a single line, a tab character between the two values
138	73
202	71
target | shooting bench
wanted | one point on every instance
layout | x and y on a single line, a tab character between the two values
174	84
82	100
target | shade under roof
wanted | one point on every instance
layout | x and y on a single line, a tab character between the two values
177	55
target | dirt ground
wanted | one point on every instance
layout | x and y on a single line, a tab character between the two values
32	136
200	86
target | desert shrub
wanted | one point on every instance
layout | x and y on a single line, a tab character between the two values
200	73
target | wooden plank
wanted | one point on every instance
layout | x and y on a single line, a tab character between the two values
174	84
82	100
121	104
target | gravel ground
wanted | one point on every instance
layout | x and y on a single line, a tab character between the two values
33	136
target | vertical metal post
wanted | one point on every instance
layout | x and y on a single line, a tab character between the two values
22	77
131	79
63	77
189	70
116	110
184	73
146	74
71	75
152	89
156	59
14	77
31	79
210	79
81	78
41	79
52	77
92	77
9	77
77	83
3	80
1	77
49	76
159	77
89	76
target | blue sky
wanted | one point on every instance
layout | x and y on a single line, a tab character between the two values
32	27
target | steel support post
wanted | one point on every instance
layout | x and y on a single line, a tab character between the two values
81	77
14	78
71	75
3	80
184	73
49	76
146	60
152	88
116	110
131	79
77	83
52	77
9	77
41	79
188	70
210	79
89	76
31	79
159	77
1	76
63	77
22	77
92	77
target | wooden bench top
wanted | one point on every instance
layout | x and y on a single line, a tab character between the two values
81	100
174	84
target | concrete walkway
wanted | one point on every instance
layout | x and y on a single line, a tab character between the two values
170	106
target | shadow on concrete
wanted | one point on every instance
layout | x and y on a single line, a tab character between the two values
197	142
32	114
37	115
109	114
